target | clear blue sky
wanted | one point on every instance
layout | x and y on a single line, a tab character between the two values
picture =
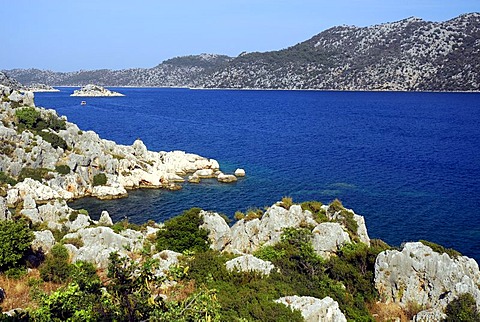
69	35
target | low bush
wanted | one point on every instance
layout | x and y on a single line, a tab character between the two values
63	169
440	249
463	308
286	202
55	140
100	179
182	233
6	179
34	173
56	267
15	240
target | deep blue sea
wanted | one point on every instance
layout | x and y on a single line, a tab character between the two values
408	162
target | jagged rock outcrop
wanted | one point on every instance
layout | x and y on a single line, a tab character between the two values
91	90
166	259
219	231
418	275
249	263
406	55
313	309
328	238
43	241
100	242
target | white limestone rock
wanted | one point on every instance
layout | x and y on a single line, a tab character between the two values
314	309
43	241
239	173
226	178
99	242
105	219
328	238
166	258
417	274
249	263
91	90
219	231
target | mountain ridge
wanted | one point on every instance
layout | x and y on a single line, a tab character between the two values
407	55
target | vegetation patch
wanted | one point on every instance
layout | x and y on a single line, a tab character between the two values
34	173
182	233
440	249
63	169
100	179
15	241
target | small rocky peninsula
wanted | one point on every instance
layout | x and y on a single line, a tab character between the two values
287	262
91	90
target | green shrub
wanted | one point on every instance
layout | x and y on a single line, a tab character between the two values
99	179
28	117
15	241
73	215
34	173
77	242
182	233
440	249
315	207
56	267
463	308
55	140
63	169
6	179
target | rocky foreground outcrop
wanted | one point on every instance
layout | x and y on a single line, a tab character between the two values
91	90
418	275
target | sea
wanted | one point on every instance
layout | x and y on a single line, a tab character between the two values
408	162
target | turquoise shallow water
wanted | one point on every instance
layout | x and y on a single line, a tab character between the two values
408	162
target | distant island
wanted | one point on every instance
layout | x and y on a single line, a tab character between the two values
407	55
91	90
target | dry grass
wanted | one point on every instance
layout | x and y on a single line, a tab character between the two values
19	291
383	312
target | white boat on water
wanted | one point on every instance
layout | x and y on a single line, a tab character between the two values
83	103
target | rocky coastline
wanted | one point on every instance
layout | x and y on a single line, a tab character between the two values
46	160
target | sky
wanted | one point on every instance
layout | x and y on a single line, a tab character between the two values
71	35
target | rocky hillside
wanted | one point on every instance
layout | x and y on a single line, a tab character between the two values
411	55
179	71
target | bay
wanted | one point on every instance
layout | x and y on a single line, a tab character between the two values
408	162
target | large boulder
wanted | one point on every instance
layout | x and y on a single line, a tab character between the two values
166	258
43	241
313	309
219	232
100	242
249	263
418	275
328	238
